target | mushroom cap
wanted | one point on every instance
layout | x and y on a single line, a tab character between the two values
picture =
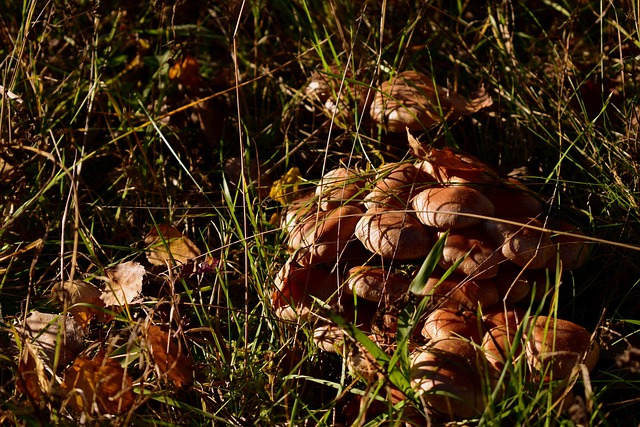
395	185
557	346
296	285
512	199
330	338
498	343
323	237
393	234
376	284
483	260
446	374
338	187
446	207
454	167
457	291
450	323
520	244
410	100
299	210
503	314
511	282
572	250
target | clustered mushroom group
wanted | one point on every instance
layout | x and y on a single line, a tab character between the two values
353	242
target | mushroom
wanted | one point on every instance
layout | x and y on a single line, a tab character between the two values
376	284
298	211
457	291
297	285
395	185
556	346
524	246
573	251
338	187
411	100
323	237
512	199
446	376
512	283
450	323
483	259
499	346
503	315
330	338
448	207
339	94
393	234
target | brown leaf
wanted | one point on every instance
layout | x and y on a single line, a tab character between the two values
32	379
187	72
166	244
76	294
43	329
170	356
125	284
99	383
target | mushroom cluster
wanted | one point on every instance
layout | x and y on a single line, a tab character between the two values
351	241
408	100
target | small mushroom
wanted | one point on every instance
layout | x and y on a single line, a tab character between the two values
411	100
393	234
298	211
507	315
376	284
297	285
395	185
556	346
330	338
448	207
457	291
573	251
338	187
322	237
524	246
451	323
512	199
499	345
512	283
445	373
483	259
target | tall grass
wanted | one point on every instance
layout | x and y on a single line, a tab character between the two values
103	141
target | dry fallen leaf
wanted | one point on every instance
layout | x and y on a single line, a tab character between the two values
187	71
42	329
81	293
32	379
165	243
170	357
98	384
125	284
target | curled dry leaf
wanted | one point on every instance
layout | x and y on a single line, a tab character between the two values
166	244
125	284
99	383
170	356
78	293
43	330
32	379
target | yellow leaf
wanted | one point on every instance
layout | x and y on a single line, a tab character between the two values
283	189
166	244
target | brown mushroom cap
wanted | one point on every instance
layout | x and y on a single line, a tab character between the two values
450	323
512	283
394	234
498	344
410	100
295	287
322	237
376	284
483	260
330	338
573	251
512	199
445	373
503	315
338	187
446	207
520	244
299	210
457	291
556	346
395	185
